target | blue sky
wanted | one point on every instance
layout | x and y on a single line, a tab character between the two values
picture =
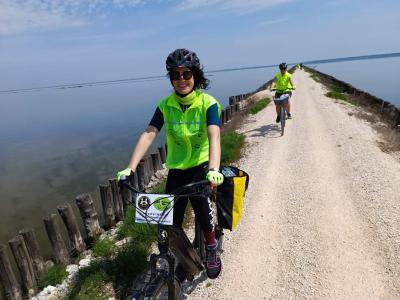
46	42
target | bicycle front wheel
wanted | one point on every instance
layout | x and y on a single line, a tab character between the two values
160	289
283	120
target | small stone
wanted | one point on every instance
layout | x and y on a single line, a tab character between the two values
72	268
84	262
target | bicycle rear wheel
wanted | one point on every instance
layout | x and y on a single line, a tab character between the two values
283	119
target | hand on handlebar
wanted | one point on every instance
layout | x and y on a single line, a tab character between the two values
121	175
215	177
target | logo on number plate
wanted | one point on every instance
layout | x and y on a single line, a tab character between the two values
144	202
162	204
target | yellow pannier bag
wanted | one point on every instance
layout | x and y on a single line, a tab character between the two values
230	197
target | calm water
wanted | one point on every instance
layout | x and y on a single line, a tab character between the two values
55	144
378	77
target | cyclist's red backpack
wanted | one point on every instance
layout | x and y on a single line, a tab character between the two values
230	196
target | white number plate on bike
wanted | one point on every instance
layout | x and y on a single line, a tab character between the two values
154	209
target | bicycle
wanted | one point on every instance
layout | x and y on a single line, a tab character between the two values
173	243
282	101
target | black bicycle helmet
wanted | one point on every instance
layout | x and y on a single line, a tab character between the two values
283	66
182	58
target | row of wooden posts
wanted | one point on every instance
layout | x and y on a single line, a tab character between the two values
25	247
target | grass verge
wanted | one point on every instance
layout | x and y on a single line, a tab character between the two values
315	77
260	105
104	278
104	248
55	275
231	146
114	273
336	95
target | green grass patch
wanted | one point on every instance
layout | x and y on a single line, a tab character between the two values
143	233
315	77
231	146
93	287
260	105
336	95
338	89
55	275
158	188
118	272
104	248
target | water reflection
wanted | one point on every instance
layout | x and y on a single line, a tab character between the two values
55	144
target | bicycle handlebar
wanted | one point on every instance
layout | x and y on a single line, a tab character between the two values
288	89
124	182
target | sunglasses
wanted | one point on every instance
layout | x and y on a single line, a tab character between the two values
177	75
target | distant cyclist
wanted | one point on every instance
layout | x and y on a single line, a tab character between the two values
191	119
283	83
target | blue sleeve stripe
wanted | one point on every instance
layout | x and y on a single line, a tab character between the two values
213	116
158	119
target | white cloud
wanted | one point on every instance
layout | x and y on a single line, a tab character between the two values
276	21
27	15
238	6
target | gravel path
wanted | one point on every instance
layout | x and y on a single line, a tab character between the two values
322	214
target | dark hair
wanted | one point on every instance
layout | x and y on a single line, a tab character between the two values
200	81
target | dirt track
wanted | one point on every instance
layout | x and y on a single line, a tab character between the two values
322	215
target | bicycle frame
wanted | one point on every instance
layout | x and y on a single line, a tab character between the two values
173	245
282	101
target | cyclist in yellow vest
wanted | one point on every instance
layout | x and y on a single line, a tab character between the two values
283	83
192	126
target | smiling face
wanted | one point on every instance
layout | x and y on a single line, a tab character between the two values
182	86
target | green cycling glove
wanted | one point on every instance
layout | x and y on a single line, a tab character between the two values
215	177
124	173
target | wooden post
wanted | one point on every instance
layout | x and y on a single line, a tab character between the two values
24	264
223	113
141	175
118	206
89	216
232	109
11	286
156	158
126	197
150	168
75	236
237	108
146	171
108	207
135	181
60	251
162	154
32	246
227	114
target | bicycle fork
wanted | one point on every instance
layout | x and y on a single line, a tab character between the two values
159	277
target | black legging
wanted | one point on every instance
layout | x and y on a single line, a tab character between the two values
201	206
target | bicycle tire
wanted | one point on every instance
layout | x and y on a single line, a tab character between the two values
199	241
283	119
219	235
158	289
